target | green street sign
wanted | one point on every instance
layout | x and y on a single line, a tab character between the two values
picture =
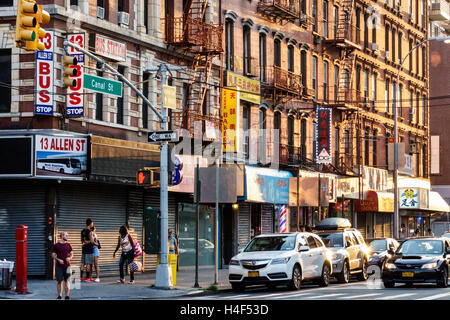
102	85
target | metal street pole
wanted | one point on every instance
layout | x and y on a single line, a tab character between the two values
197	220
396	213
216	229
163	271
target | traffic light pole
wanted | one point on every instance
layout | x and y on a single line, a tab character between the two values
163	272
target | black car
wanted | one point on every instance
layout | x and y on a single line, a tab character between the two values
424	260
379	250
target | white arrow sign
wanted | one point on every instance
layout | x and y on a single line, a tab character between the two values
158	136
324	157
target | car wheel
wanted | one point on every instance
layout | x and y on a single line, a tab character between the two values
238	287
364	275
389	284
344	276
325	278
443	283
295	283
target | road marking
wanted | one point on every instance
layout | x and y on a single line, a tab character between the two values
293	295
325	295
396	296
362	296
436	296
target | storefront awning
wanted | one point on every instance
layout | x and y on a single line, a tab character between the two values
437	203
376	201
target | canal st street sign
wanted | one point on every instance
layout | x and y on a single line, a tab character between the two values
159	136
102	85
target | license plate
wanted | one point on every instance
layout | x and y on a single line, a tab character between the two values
407	274
253	273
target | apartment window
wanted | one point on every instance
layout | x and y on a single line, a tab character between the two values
336	146
245	127
262	57
325	19
103	4
335	20
99	98
314	76
367	147
366	85
400	57
393	45
120	101
374	87
262	133
314	15
386	96
6	3
303	6
336	82
291	134
229	47
410	7
303	138
424	61
145	89
366	30
386	39
358	25
186	93
122	5
5	79
386	149
314	140
303	67
410	56
74	2
358	81
206	103
374	148
417	60
247	54
347	148
411	106
424	161
277	53
399	101
325	81
418	107
422	12
374	33
417	11
277	120
424	110
291	58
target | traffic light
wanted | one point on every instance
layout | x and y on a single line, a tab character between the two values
42	17
26	22
145	177
69	71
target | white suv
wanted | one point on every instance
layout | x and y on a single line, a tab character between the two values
282	258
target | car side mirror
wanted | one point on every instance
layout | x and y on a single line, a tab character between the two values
303	248
448	250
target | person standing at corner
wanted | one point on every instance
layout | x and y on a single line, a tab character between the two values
87	253
126	242
173	244
97	247
62	254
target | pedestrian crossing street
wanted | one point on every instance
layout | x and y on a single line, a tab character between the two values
354	291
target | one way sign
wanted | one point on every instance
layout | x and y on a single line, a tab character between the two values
159	136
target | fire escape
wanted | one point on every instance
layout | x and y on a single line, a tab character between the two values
200	41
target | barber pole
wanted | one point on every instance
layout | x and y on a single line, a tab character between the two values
283	225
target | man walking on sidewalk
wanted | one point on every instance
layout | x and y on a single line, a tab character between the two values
62	254
87	253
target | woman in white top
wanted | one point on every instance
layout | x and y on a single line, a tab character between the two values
96	254
126	242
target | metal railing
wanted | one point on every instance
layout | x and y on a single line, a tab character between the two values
284	80
281	7
191	120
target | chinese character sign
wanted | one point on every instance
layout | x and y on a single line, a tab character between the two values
323	135
409	198
230	107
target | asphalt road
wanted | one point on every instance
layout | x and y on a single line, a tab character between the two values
355	290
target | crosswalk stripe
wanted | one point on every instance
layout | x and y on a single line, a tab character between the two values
436	296
396	296
325	296
293	295
361	296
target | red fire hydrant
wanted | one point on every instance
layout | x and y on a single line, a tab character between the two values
21	258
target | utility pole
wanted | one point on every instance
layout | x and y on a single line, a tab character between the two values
163	272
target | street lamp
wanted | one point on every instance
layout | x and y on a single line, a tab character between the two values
396	213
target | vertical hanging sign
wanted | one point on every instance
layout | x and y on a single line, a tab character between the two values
230	130
75	97
44	76
323	135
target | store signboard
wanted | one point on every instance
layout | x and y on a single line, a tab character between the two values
60	157
230	131
250	89
323	135
267	185
110	48
413	198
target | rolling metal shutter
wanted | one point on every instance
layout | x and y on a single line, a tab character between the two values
135	209
23	204
106	205
388	225
243	224
267	216
379	228
361	223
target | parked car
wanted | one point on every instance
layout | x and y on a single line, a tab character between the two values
379	250
446	235
281	258
350	254
423	260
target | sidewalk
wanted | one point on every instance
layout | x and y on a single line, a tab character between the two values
143	288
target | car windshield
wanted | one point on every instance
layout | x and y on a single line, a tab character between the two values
332	240
281	243
420	247
378	245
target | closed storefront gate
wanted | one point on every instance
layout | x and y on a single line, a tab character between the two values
23	203
106	205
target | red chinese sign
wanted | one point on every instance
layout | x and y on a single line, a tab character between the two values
323	136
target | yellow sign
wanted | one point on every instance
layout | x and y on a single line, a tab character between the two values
230	111
169	97
250	89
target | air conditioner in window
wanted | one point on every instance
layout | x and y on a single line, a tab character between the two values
387	54
411	16
374	46
124	18
412	113
413	148
100	13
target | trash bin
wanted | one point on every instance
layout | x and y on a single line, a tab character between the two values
6	269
